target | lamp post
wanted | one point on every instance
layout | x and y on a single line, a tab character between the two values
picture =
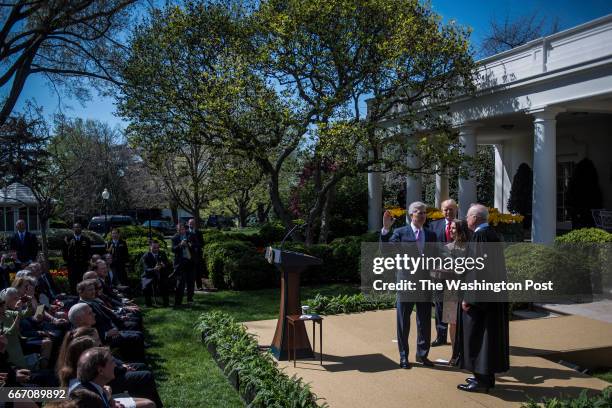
105	197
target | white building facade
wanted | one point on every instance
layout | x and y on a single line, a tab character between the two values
547	103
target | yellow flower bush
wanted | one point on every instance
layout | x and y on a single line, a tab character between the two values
433	213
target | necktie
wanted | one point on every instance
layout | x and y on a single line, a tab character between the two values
448	232
418	240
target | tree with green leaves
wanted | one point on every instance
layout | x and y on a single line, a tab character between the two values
72	43
239	187
47	169
293	78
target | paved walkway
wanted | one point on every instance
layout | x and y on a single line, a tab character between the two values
360	364
599	309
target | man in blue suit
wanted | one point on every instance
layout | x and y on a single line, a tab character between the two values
414	232
442	229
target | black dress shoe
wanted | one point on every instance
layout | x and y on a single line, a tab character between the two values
473	386
405	364
438	342
425	361
473	379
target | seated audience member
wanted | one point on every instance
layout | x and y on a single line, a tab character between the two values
95	369
47	286
109	326
7	266
132	378
131	319
10	314
12	377
113	276
40	336
94	258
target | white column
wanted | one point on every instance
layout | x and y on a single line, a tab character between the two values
374	201
467	186
441	187
500	193
414	187
544	212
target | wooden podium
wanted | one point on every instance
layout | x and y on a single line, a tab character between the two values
290	264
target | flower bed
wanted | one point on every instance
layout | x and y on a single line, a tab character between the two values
254	373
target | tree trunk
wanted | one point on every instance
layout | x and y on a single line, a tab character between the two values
45	241
279	209
243	214
326	215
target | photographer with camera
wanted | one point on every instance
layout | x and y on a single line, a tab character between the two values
183	265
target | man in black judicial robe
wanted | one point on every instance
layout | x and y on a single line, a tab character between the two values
482	327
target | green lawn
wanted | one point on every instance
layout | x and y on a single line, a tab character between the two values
186	374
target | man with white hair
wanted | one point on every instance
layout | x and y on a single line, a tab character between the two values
482	327
81	315
416	233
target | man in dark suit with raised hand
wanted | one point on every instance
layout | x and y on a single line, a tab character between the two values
420	236
24	243
442	229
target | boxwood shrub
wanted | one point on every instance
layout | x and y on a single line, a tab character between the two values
255	373
329	305
543	263
236	264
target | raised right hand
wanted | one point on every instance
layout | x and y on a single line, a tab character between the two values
388	220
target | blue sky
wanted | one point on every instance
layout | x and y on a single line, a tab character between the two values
475	14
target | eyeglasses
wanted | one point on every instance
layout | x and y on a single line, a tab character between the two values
419	212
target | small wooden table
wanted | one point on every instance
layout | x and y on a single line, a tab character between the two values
291	320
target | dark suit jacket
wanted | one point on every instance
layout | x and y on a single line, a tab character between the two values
47	285
90	387
149	262
197	240
26	250
406	235
438	227
121	256
77	253
105	318
179	259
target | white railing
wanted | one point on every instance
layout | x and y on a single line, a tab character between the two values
580	45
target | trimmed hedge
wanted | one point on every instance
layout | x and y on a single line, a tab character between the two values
236	264
543	263
593	235
137	231
56	236
603	400
330	305
236	261
255	374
